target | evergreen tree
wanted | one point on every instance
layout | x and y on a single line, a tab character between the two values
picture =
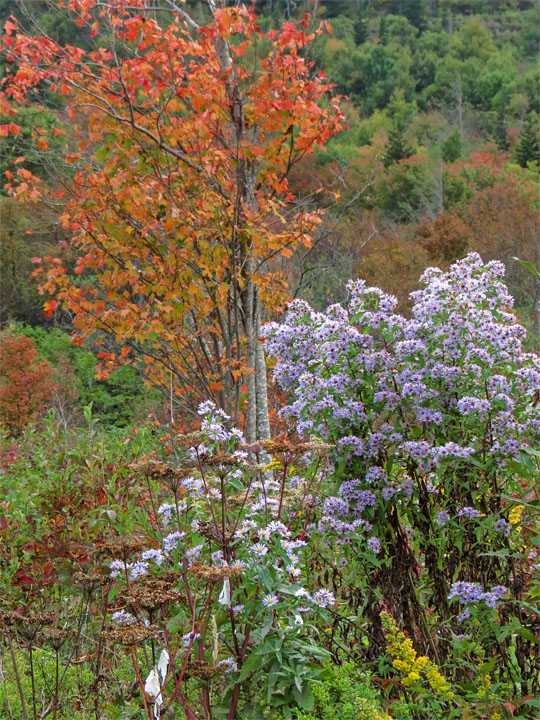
398	147
452	147
528	147
416	13
500	133
360	30
383	30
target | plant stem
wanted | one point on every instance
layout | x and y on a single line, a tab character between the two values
17	678
31	658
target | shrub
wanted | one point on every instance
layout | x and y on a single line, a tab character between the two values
343	693
25	383
436	427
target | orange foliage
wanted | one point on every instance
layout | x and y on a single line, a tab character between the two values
25	382
180	202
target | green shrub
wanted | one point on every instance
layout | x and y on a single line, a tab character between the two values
344	694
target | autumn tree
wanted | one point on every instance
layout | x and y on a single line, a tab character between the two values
26	384
178	203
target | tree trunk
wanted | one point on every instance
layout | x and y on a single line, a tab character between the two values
251	360
261	385
257	419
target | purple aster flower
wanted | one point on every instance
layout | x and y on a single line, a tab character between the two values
171	541
121	617
501	525
469	512
153	554
323	598
374	544
442	518
137	570
259	549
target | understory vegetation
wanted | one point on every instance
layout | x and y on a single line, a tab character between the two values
384	564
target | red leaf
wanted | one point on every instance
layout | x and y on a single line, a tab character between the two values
49	307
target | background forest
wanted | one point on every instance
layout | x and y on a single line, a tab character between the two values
259	457
440	158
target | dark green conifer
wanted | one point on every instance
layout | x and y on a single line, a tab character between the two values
383	31
416	13
360	30
528	147
500	132
398	148
452	147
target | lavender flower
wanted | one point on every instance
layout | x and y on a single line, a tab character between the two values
374	544
323	598
121	617
469	512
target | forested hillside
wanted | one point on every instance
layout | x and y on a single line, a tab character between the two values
269	360
440	157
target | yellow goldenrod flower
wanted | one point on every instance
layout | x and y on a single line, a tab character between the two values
409	664
514	516
274	465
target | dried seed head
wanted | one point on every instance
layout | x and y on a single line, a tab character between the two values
123	548
28	625
198	668
149	594
238	499
212	574
56	636
170	578
170	476
217	460
208	530
89	582
129	635
192	439
284	447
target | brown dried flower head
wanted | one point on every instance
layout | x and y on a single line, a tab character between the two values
290	450
220	460
129	635
89	582
56	636
212	574
238	499
170	476
191	439
198	668
149	594
27	625
124	547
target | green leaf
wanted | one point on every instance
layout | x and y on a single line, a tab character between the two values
269	619
528	266
264	573
304	697
528	635
248	666
533	702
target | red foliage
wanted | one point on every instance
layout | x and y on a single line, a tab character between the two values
25	382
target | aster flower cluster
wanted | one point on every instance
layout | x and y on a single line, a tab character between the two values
413	404
240	556
468	593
